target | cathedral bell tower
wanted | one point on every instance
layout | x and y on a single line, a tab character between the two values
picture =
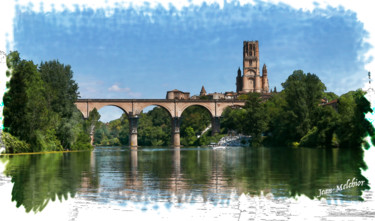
251	81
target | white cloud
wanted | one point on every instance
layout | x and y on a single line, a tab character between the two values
127	91
117	88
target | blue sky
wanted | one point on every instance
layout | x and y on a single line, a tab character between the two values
144	51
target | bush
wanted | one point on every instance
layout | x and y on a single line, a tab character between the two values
14	145
47	141
295	144
207	139
310	139
83	142
335	140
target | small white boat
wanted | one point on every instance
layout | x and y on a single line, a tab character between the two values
218	147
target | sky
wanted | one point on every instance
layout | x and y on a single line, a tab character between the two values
138	49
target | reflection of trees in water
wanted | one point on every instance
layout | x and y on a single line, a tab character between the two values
40	178
186	175
292	172
215	175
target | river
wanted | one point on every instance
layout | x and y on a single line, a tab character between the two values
197	182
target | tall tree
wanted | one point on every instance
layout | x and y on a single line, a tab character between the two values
39	105
297	108
26	113
62	93
233	119
15	98
303	93
63	90
353	126
256	119
92	122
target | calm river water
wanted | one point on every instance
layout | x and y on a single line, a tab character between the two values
165	177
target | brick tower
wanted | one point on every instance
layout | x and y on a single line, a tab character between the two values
251	81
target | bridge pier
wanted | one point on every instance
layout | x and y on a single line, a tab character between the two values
133	130
176	121
215	122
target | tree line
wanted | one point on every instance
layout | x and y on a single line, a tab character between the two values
297	116
39	111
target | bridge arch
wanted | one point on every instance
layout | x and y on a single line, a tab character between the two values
166	107
220	110
113	105
112	112
87	107
183	106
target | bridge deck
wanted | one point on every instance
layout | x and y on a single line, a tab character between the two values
174	107
161	100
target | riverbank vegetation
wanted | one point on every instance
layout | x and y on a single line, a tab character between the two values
297	116
39	111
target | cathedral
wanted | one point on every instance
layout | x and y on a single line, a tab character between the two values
251	81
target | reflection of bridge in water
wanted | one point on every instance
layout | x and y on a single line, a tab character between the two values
142	177
175	108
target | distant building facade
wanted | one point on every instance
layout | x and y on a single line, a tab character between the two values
334	103
176	94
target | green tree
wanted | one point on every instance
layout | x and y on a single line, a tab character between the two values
15	98
322	135
275	108
26	111
256	119
189	138
196	117
39	105
92	122
297	110
62	93
300	112
233	119
250	120
353	126
330	96
63	90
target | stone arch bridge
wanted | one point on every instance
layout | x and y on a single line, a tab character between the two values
133	107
